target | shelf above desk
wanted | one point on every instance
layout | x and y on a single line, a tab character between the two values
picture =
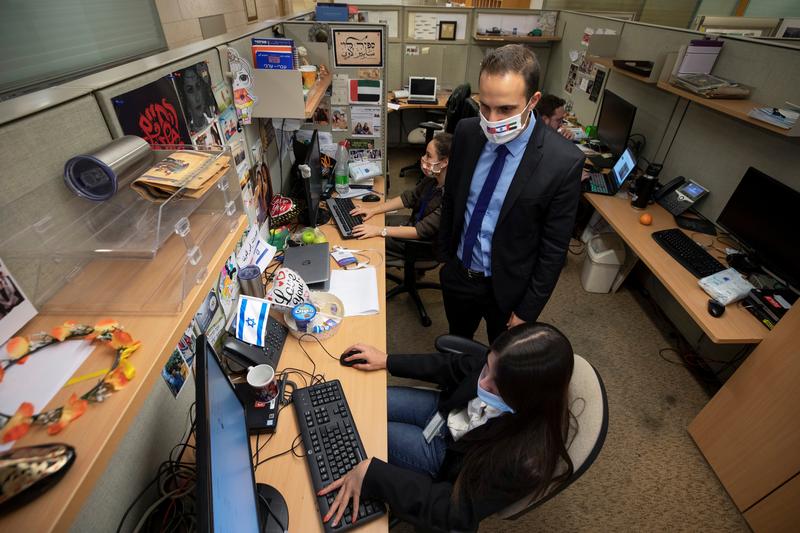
316	93
736	326
517	38
737	109
608	62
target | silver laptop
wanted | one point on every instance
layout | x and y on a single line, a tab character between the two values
312	263
421	90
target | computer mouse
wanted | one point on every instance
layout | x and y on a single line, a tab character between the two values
351	362
370	198
715	308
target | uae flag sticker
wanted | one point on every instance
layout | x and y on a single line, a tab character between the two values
365	91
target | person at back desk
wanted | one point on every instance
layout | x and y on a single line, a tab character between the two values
500	427
425	201
552	112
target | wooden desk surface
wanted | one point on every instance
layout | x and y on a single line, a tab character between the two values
98	432
365	392
403	102
736	326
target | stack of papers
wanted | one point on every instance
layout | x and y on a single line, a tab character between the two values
780	117
357	289
195	172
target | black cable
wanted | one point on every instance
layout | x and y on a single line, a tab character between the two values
296	442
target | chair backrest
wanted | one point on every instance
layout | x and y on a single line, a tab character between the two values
589	405
458	107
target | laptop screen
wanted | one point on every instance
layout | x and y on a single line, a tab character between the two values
422	86
624	166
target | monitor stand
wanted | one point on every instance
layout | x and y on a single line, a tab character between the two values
278	507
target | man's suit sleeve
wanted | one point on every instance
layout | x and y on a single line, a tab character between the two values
556	232
451	184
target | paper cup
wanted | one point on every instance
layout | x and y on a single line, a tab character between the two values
262	379
309	73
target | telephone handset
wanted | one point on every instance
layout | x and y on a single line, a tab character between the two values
679	195
669	187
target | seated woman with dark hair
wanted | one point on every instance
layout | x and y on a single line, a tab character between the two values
495	433
425	201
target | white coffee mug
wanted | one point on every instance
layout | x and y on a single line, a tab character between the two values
262	379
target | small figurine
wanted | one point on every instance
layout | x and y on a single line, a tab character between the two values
323	71
302	53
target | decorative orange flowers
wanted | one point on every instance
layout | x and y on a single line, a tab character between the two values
18	425
18	347
63	331
74	409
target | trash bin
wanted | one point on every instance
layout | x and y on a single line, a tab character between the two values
605	255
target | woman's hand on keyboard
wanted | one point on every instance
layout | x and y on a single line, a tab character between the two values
349	487
365	212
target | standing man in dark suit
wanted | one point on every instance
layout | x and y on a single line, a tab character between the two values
509	202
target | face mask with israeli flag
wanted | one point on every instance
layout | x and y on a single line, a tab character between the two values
251	320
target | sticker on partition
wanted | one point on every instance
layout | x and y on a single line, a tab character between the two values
243	97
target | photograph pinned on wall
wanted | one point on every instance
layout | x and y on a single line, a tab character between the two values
267	133
228	285
197	99
322	115
15	308
239	156
227	124
256	152
359	155
153	112
447	30
205	313
369	73
339	119
222	96
365	121
175	373
208	138
358	48
187	345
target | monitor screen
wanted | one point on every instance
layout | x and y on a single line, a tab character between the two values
623	167
759	214
227	498
316	182
615	122
422	86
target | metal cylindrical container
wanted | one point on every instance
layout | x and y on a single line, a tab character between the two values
250	283
96	175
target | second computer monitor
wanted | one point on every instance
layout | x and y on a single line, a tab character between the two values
615	122
420	87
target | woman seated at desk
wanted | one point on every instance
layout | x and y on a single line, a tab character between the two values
425	201
497	431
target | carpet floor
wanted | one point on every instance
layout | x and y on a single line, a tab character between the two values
650	476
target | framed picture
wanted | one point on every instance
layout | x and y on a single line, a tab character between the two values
358	48
250	10
447	30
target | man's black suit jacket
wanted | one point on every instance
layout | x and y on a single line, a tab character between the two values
531	239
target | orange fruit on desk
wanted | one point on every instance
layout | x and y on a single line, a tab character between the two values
646	219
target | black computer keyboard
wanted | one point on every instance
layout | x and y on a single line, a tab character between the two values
332	445
596	183
340	209
418	101
688	253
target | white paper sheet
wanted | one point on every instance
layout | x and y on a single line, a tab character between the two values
339	89
357	289
41	377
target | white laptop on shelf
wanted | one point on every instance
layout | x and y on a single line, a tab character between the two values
422	90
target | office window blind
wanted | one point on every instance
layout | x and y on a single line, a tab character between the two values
51	40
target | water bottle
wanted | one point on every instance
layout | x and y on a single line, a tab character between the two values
341	172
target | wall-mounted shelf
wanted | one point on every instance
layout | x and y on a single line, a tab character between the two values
316	93
609	64
517	38
738	109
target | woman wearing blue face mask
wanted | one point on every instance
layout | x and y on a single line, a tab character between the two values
494	433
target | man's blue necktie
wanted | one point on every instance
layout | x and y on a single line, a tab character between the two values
482	205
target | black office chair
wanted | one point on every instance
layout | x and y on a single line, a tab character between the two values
419	257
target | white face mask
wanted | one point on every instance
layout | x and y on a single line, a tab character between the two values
432	170
506	130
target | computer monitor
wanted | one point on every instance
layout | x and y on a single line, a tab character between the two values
226	485
623	167
420	87
615	122
760	214
315	183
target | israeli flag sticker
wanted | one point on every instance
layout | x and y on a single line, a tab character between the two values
251	320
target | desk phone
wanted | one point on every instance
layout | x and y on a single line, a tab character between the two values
679	195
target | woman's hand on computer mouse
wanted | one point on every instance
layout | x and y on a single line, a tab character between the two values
365	231
349	487
376	359
365	212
